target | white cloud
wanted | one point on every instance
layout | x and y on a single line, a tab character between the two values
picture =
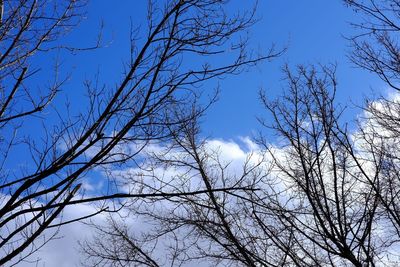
64	250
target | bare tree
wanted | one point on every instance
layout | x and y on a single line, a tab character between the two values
376	49
312	201
326	196
191	229
329	209
119	121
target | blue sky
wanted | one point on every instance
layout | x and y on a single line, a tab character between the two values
312	30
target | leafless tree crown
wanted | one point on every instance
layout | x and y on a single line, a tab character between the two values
171	57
